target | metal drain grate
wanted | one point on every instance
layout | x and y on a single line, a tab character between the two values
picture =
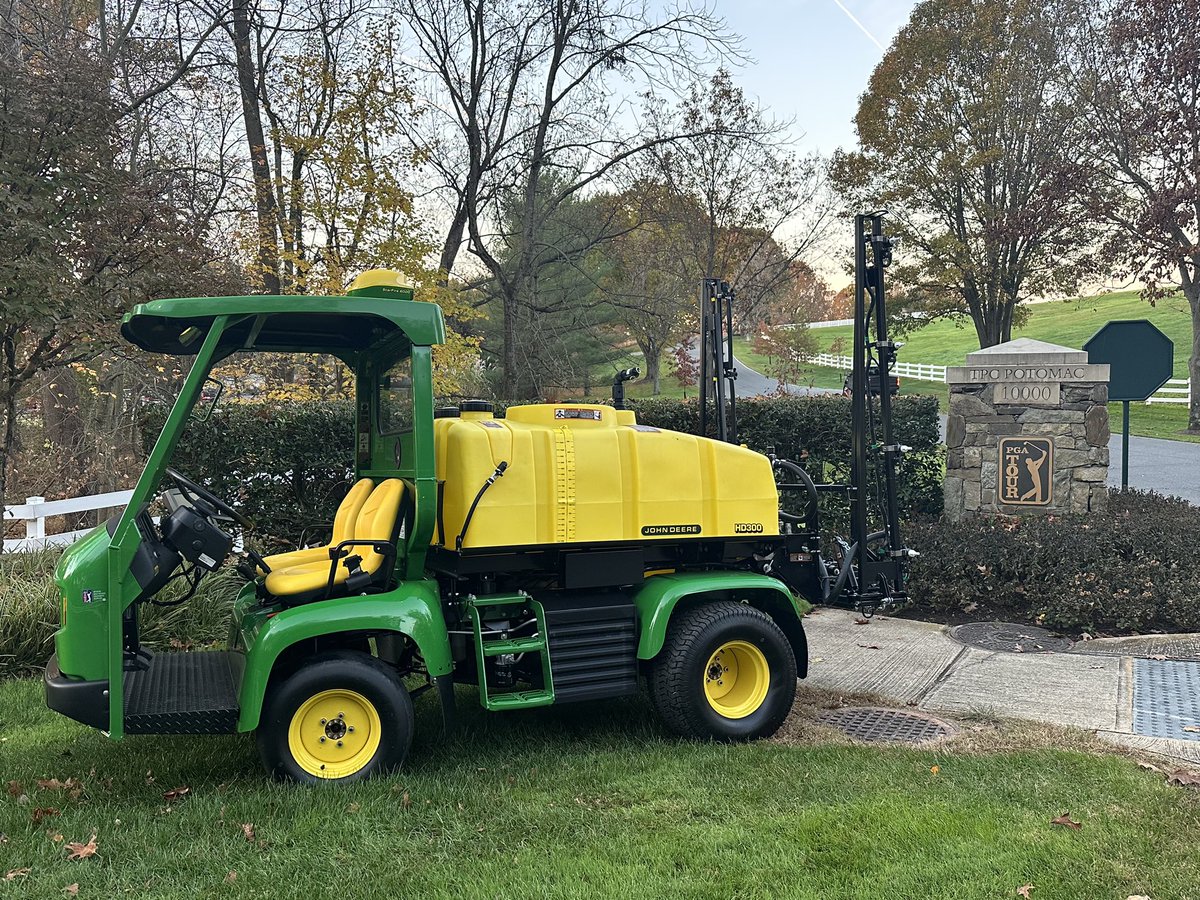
876	723
1166	698
1009	637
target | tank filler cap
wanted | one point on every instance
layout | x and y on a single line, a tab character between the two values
475	406
446	412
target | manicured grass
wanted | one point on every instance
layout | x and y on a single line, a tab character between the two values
592	801
1069	323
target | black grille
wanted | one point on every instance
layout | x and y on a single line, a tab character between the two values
184	693
593	647
871	723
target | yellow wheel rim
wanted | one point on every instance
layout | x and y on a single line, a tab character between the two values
334	733
736	679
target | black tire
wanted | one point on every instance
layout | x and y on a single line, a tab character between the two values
342	679
680	671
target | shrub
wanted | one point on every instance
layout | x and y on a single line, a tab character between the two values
285	465
1126	570
29	610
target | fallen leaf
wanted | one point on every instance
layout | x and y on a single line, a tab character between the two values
406	801
15	789
1192	728
935	769
870	646
1066	821
177	793
353	807
1137	897
1085	637
14	874
43	812
231	877
1183	778
71	890
57	837
1025	890
82	851
970	608
861	621
3	838
51	784
149	776
1149	766
248	831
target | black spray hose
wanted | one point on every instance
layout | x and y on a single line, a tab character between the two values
810	511
847	565
458	542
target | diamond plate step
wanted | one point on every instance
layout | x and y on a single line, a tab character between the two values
1166	699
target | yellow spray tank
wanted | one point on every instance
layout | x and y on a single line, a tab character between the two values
584	473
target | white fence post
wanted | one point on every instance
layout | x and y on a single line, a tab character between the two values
35	528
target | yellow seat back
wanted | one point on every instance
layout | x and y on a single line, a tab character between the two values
377	521
348	510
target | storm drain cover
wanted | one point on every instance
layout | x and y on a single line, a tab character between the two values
1166	698
1008	637
876	723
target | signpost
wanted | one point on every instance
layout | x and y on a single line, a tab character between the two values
1141	359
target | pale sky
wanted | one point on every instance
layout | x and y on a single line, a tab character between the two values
811	60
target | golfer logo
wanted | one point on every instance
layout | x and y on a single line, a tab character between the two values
1026	471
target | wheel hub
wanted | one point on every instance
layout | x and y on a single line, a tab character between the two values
736	679
334	733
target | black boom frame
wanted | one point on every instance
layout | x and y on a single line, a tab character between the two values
870	570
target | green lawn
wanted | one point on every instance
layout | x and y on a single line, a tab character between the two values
587	802
1069	323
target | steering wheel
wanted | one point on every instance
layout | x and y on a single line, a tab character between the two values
195	491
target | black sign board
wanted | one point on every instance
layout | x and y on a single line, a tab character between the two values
1026	471
1139	356
1140	360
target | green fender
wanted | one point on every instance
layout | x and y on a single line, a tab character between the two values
412	609
659	596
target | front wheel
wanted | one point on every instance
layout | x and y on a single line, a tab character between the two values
344	716
726	672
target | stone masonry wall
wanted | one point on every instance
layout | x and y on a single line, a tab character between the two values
1080	431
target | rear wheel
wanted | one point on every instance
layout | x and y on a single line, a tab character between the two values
345	716
726	672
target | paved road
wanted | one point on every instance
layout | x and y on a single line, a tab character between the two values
1169	467
752	384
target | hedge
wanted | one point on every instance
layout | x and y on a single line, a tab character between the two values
1125	570
287	464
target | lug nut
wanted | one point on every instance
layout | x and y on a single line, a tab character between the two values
350	728
339	743
323	721
322	739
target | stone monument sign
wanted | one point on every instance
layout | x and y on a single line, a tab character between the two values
1027	431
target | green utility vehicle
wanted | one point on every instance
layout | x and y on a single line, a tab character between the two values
549	594
562	553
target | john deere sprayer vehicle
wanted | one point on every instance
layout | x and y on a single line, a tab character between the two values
562	553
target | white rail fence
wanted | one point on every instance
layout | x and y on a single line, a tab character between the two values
1177	390
36	510
919	371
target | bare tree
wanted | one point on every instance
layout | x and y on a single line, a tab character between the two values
526	93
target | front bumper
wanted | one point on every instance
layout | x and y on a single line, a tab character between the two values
83	701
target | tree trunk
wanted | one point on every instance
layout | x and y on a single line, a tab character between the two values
453	242
260	166
1191	290
652	354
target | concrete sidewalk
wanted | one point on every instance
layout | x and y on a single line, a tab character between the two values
919	664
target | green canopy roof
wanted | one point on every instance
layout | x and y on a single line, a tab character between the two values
304	324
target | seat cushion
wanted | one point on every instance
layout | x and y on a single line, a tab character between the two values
376	522
343	529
